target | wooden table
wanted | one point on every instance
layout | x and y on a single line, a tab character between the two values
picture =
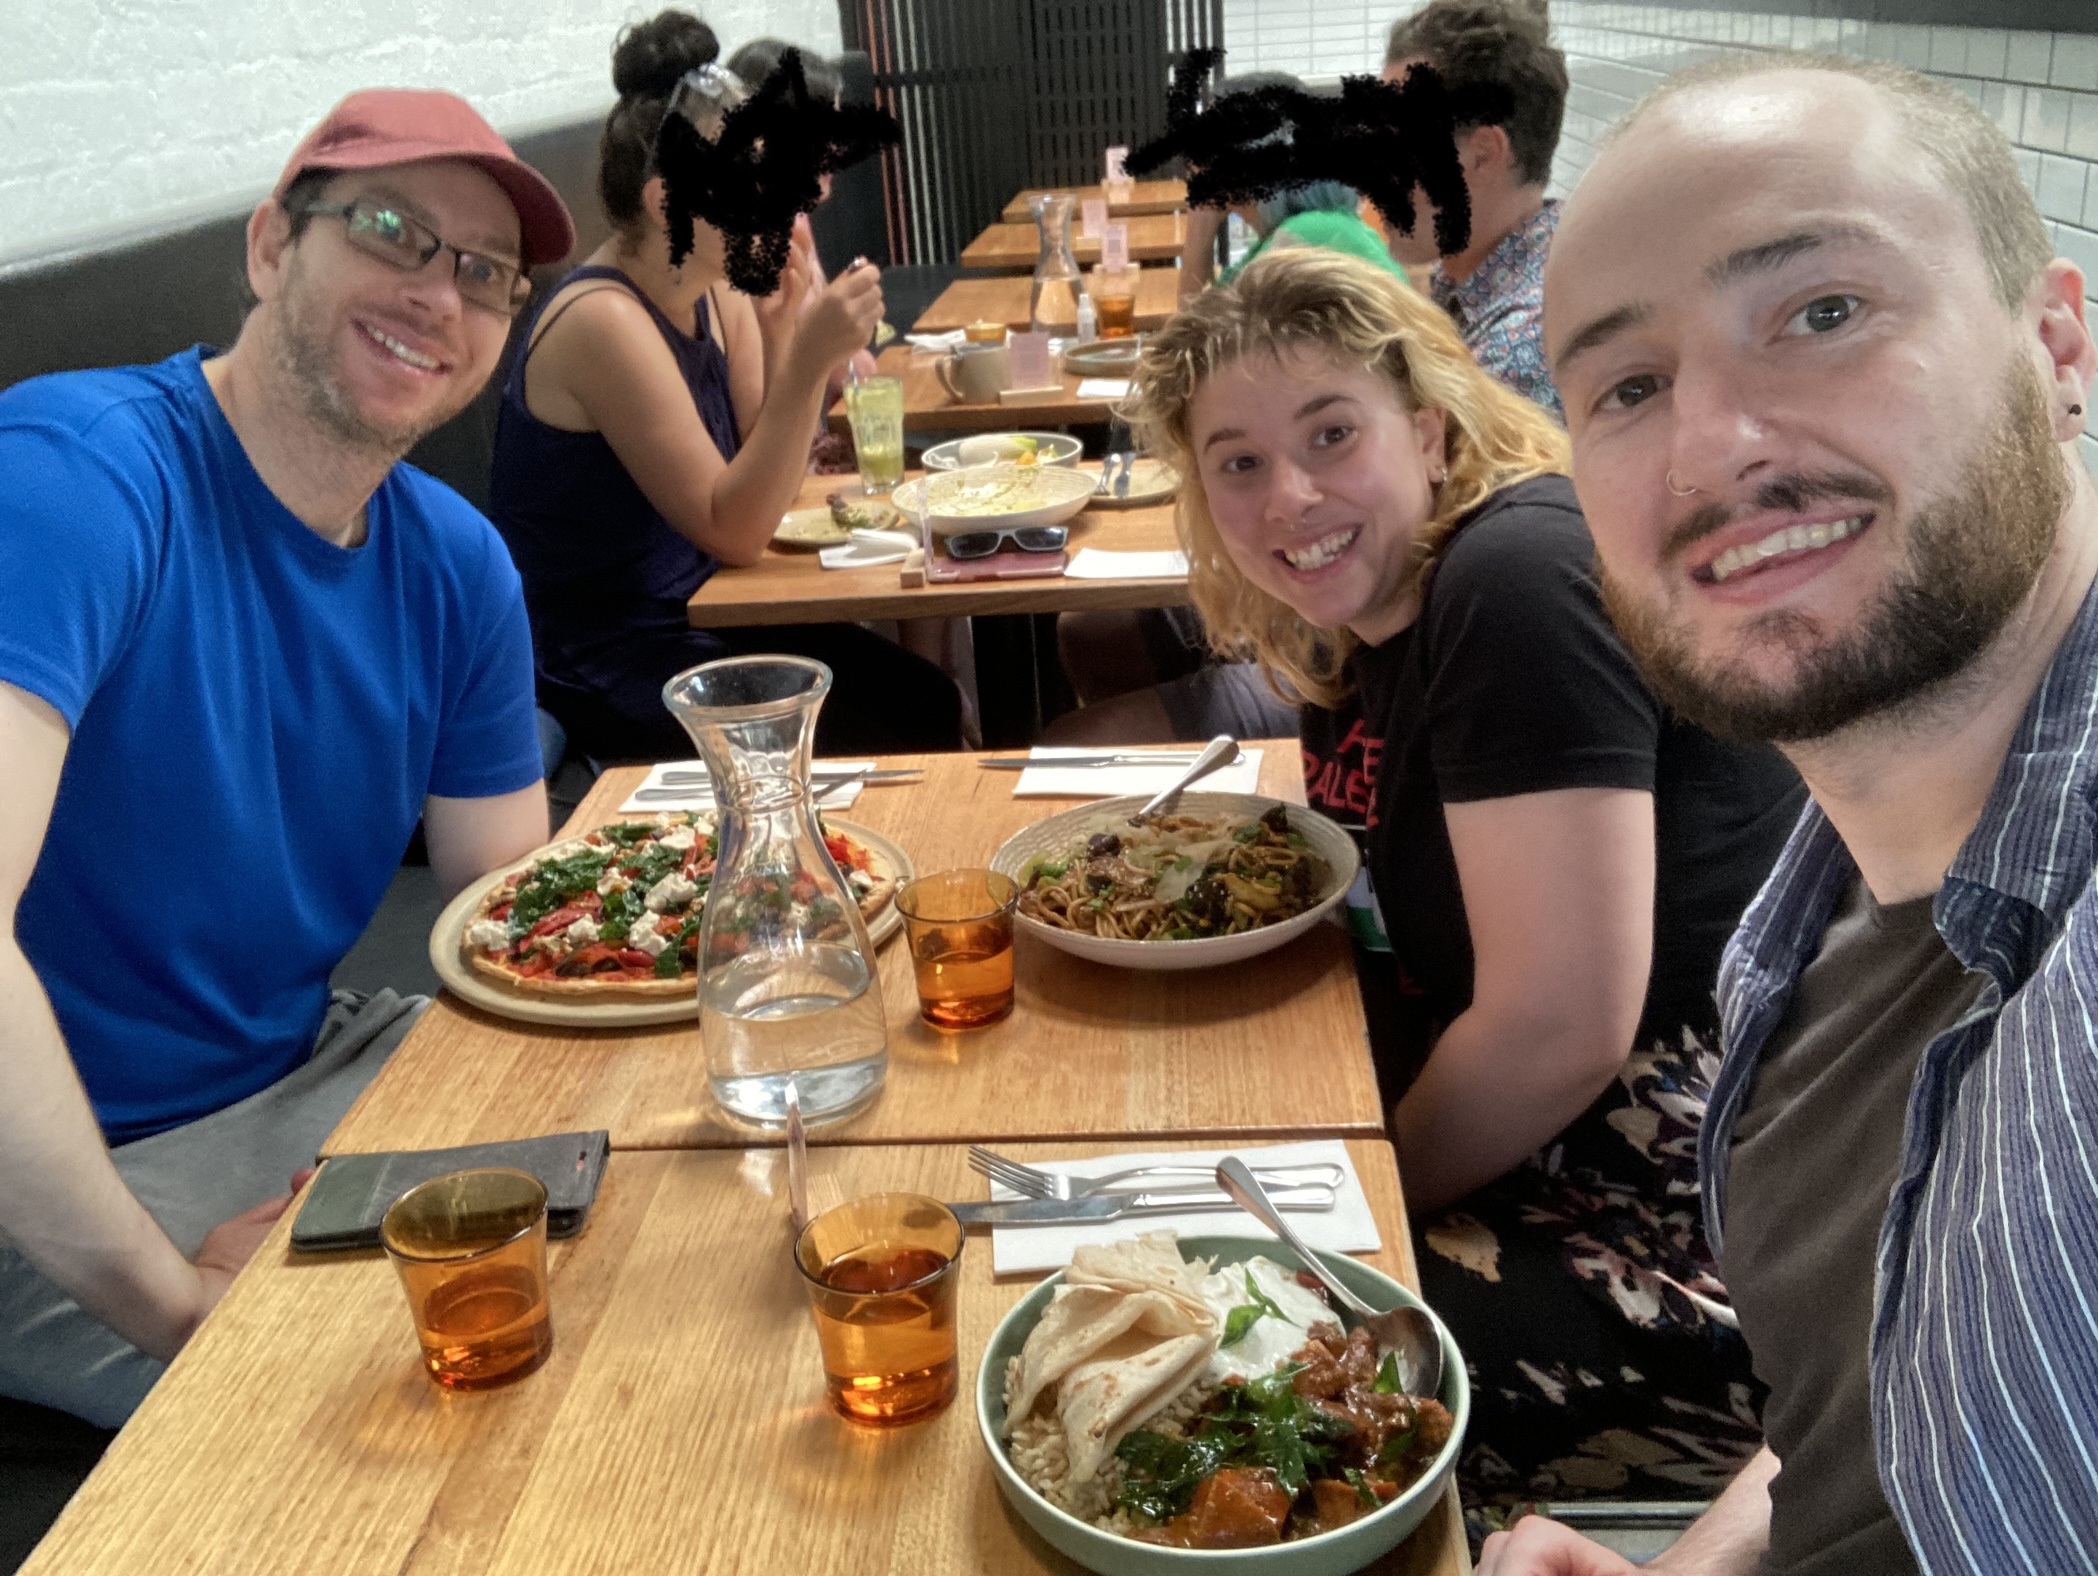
928	407
1003	298
678	1426
1153	238
1144	197
1276	1047
794	588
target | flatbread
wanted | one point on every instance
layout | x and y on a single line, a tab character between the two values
1126	1332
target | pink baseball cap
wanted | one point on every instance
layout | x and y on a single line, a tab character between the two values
380	126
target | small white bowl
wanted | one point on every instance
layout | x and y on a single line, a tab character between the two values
1331	842
990	448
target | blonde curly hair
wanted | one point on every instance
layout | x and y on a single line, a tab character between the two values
1310	299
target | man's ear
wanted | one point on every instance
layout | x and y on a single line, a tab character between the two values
269	248
2065	339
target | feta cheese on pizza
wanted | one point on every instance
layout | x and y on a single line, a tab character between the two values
489	935
673	891
643	936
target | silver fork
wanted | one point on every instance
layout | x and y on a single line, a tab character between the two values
1036	1183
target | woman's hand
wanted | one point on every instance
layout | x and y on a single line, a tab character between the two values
780	313
841	321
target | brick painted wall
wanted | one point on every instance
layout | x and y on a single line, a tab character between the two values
121	116
2041	88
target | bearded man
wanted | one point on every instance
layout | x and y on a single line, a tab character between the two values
1825	387
242	650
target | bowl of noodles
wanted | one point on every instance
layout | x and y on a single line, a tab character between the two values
1226	877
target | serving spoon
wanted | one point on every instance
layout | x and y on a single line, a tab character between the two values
1409	1332
1221	751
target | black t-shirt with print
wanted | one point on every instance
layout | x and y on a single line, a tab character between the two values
1512	681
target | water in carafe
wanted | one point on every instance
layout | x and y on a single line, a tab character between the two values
787	984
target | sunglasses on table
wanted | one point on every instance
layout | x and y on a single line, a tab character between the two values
1028	538
380	230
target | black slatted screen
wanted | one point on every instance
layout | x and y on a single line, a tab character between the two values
997	95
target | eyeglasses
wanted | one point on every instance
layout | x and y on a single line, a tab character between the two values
1028	538
392	237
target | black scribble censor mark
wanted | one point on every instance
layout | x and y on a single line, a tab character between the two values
1382	138
762	171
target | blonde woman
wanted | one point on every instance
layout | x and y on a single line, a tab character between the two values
1391	534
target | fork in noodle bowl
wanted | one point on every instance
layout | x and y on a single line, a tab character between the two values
1178	878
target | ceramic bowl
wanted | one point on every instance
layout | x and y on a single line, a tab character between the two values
1333	1553
994	497
1333	845
989	448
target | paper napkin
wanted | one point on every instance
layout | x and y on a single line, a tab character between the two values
1111	782
936	342
1103	388
700	795
867	549
1099	563
1348	1227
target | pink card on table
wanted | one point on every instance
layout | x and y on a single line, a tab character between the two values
1092	217
1028	356
1114	247
1013	565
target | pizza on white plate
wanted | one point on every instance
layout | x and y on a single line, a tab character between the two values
616	913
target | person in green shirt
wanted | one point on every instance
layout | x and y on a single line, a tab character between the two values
1324	214
1318	213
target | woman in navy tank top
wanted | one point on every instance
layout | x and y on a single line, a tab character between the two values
655	425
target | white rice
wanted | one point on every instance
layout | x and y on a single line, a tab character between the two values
1042	1457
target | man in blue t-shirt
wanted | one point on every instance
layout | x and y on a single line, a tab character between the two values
242	651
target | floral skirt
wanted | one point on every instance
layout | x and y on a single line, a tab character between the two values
1605	1360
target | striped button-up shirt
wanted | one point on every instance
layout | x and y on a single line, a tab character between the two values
1985	1324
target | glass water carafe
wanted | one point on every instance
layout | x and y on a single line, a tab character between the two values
1053	303
787	984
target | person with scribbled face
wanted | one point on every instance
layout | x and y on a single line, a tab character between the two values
1494	287
1553	861
753	62
656	425
1825	385
1311	213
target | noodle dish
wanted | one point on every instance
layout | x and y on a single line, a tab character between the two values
1209	1402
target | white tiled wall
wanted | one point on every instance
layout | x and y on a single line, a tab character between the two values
2041	88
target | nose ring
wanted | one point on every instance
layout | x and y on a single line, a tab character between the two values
1680	492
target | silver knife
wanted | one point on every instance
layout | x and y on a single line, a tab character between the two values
1115	1206
1056	763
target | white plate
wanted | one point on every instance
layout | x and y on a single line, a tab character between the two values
1334	846
1054	448
490	995
1056	492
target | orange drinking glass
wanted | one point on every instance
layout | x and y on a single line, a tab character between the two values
1114	301
960	925
881	1278
471	1251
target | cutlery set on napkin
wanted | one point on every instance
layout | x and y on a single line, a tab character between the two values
1052	772
1112	1198
685	785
